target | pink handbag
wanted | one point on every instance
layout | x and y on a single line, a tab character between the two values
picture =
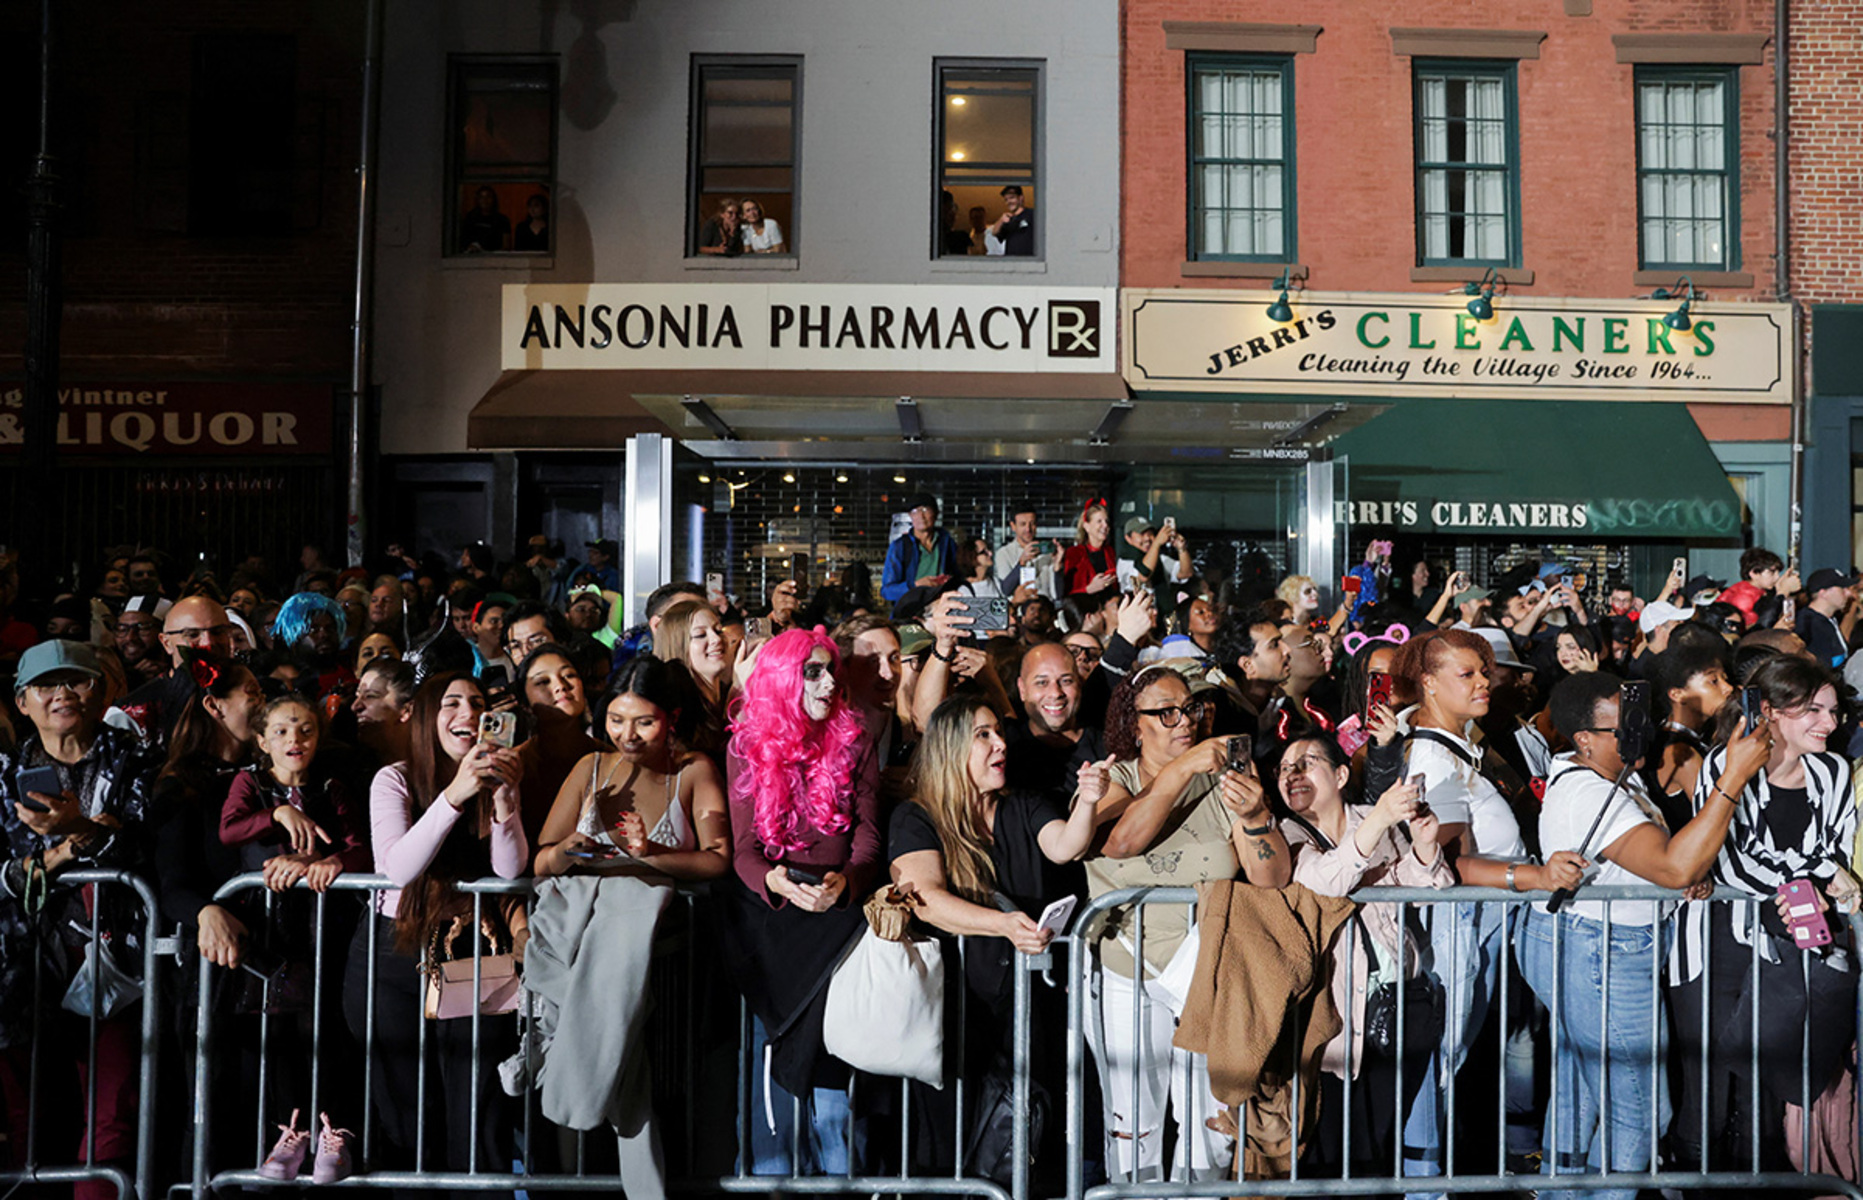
449	981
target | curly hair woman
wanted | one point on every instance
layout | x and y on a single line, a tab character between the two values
806	845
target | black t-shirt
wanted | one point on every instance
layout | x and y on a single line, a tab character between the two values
1822	638
1787	814
1018	236
1043	767
1027	879
483	231
713	234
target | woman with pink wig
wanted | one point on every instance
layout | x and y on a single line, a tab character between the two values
806	844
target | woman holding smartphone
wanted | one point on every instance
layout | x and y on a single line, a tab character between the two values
1794	822
1180	813
1621	831
447	815
806	845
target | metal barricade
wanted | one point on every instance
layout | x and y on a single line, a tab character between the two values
1086	972
522	1175
148	1009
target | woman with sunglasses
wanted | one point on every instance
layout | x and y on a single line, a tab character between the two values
1173	816
806	845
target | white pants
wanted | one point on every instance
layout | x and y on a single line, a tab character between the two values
1165	1071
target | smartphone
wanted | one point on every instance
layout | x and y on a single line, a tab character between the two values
1417	781
1580	581
1240	749
1808	926
714	585
495	679
43	780
803	875
1750	701
498	728
1680	569
1634	729
1352	734
594	853
986	613
1054	917
756	629
1028	575
1791	608
1378	686
1351	584
1170	523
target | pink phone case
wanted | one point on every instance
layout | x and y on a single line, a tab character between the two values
1807	924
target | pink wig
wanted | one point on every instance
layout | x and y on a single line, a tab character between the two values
774	736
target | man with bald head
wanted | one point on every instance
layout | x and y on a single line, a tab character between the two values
1045	749
199	624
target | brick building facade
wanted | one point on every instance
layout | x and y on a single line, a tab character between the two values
208	229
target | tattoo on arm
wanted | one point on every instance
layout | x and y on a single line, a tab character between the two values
1263	851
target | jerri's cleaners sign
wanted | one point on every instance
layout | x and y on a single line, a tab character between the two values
1431	345
807	327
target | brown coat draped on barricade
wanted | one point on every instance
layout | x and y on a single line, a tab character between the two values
1262	972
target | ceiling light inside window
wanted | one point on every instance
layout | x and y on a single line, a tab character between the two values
957	156
958	102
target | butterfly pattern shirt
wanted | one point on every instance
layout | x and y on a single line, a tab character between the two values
1192	847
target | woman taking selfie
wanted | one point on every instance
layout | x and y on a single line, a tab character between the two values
1794	822
1176	816
806	846
446	815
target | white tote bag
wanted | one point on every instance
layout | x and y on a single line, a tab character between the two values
885	1012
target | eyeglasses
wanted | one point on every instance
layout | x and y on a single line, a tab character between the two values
1171	714
46	692
524	646
813	672
1610	729
1086	653
197	634
1301	765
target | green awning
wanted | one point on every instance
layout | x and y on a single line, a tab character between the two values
1575	470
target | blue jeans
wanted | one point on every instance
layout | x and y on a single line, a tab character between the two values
1586	1043
1466	948
824	1131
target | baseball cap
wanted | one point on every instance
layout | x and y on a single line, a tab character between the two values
1661	613
1138	525
49	658
607	546
921	500
913	638
1470	594
1503	647
1828	577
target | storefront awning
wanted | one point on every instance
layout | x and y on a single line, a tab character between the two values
881	416
1572	470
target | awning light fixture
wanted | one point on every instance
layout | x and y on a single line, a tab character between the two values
1482	306
1281	312
1684	290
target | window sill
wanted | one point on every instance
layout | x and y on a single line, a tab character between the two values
1224	269
498	262
985	264
1701	279
1519	276
743	262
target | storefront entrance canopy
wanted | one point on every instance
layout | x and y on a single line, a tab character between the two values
1571	470
893	416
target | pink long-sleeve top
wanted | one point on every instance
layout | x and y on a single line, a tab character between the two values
405	845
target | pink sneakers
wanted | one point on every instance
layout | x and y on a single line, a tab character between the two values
332	1162
288	1152
287	1156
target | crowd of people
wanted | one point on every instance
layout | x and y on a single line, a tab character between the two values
992	729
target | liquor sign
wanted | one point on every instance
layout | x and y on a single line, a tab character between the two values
179	419
1422	345
807	327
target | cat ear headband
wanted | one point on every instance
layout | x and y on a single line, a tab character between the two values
1396	635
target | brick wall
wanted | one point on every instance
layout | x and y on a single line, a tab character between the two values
141	298
1355	167
1825	62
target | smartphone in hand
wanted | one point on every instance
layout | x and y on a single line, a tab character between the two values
1808	926
43	780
